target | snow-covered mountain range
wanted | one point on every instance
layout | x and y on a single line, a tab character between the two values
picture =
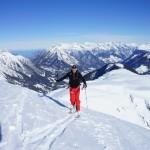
12	65
107	68
94	59
88	56
20	70
117	116
140	61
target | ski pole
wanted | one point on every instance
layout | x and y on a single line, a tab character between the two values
86	99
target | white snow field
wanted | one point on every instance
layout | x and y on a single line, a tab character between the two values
119	93
117	117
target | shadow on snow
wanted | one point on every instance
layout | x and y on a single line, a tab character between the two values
56	101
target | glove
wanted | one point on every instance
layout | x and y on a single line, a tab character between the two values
57	80
84	85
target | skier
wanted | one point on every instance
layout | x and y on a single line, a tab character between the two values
75	78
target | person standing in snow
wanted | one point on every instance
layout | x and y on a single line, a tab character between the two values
75	79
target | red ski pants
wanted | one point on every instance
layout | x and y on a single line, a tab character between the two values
74	97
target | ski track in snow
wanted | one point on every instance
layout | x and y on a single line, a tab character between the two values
96	131
15	127
45	137
14	104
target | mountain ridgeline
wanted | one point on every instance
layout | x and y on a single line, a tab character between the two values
93	60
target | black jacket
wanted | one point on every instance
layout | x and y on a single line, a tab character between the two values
74	79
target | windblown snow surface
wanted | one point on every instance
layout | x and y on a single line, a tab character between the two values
115	117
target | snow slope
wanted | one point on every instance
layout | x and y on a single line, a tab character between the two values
119	93
32	121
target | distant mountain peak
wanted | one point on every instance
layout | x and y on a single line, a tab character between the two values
89	46
144	46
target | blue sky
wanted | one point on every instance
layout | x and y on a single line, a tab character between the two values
39	23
